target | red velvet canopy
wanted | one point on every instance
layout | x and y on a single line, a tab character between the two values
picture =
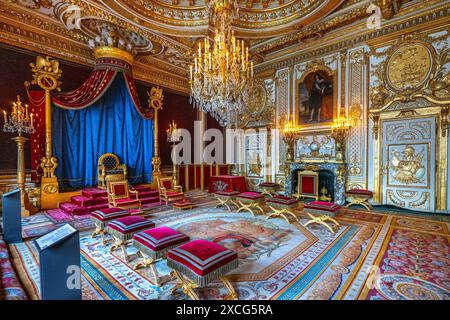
98	82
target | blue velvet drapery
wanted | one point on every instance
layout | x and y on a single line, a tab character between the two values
112	124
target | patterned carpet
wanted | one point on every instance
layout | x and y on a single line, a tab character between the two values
373	256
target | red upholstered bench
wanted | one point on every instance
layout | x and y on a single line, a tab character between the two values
102	216
201	261
320	212
359	196
226	198
153	244
280	206
249	201
123	230
269	188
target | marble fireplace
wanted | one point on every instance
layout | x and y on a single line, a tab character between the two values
336	167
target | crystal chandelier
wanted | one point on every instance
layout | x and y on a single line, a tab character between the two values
221	73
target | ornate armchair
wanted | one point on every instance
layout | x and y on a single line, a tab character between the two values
119	196
110	169
168	191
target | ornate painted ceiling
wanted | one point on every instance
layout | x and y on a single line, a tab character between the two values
162	33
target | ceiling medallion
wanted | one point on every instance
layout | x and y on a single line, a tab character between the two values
222	73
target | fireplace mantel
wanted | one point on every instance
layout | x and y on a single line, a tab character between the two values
336	166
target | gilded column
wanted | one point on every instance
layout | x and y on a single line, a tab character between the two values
156	103
47	75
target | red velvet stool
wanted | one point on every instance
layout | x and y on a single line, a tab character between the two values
359	196
226	198
249	201
153	245
102	217
320	212
201	261
281	206
123	230
269	188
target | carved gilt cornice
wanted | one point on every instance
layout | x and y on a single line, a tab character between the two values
360	34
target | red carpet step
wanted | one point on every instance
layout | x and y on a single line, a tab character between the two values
92	199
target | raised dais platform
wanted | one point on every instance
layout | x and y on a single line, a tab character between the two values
92	199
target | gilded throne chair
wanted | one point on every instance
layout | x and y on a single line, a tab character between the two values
110	169
168	191
120	196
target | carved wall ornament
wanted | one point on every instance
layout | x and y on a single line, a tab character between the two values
412	69
315	147
407	166
260	105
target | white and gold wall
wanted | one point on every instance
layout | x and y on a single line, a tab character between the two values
393	84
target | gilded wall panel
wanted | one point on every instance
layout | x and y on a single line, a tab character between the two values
282	111
357	113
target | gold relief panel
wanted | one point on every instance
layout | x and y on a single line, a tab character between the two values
412	70
408	165
409	67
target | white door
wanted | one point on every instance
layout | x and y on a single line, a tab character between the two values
408	163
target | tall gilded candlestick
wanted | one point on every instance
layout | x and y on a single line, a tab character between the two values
19	121
174	137
47	75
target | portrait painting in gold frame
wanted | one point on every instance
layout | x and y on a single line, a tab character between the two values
316	98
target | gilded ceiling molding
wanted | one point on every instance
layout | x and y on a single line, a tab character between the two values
91	10
316	29
42	42
262	19
436	17
23	16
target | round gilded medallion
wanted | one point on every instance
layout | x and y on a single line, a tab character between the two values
409	67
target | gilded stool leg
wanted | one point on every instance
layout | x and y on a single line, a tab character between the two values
282	213
124	251
186	285
117	243
321	220
232	294
146	262
361	201
96	232
259	207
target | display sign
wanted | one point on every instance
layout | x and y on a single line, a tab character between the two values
59	264
55	236
12	219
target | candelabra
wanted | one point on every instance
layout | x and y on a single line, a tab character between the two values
19	121
339	132
173	137
222	73
291	134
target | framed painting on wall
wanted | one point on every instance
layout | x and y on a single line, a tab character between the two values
316	94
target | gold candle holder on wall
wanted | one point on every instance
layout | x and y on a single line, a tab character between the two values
291	134
340	130
20	122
